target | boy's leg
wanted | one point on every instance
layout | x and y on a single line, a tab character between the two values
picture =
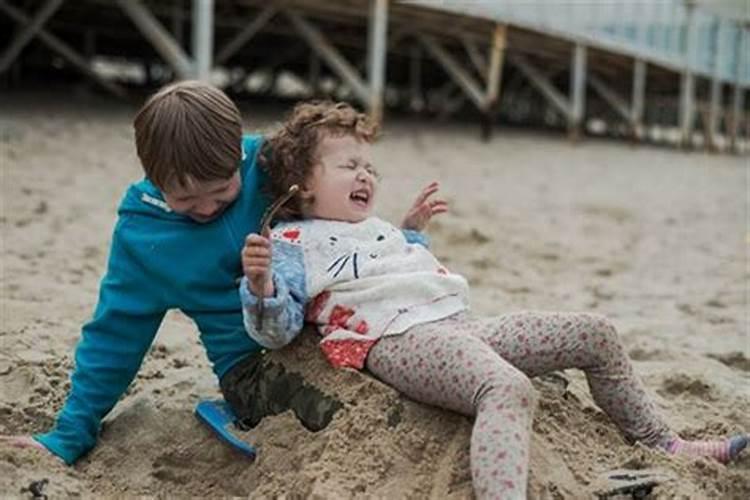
440	364
537	342
256	388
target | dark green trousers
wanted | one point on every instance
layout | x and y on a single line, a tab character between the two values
255	387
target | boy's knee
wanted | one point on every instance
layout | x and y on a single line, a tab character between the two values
258	388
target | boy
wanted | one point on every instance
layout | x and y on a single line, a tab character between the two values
177	244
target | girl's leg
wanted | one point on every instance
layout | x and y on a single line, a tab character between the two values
441	365
541	342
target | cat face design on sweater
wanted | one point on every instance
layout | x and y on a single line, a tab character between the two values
350	254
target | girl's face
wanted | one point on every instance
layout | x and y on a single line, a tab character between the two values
342	185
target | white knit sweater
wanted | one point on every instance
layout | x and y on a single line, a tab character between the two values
357	282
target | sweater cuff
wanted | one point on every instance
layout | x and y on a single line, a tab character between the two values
272	305
417	237
54	446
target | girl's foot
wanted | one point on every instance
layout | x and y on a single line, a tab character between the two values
723	450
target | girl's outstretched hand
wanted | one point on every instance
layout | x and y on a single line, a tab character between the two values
256	264
424	208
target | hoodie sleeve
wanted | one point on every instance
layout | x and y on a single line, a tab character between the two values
284	313
109	353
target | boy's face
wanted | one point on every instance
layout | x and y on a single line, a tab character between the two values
343	182
203	201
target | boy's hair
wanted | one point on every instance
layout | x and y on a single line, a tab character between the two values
290	154
188	131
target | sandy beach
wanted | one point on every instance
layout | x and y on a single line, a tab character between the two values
657	239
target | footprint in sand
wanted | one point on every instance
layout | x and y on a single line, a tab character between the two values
642	354
684	384
736	360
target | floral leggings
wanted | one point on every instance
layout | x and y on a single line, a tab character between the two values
480	366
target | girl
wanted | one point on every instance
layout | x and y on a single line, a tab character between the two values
383	302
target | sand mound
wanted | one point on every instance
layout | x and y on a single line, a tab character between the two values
379	445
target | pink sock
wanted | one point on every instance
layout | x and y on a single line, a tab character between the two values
723	450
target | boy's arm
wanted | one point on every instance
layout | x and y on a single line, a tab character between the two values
284	313
109	353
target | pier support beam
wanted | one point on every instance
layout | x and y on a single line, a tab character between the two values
203	38
631	112
715	104
455	70
687	80
542	84
416	97
638	98
377	47
25	35
159	37
62	48
738	92
577	91
331	56
573	108
248	32
494	78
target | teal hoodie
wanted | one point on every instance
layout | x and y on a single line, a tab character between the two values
158	261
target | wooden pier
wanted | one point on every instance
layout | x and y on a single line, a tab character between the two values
672	66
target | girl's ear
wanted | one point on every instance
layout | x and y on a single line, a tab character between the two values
305	193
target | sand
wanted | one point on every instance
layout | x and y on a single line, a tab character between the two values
657	239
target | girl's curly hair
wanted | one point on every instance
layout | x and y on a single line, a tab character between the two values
290	154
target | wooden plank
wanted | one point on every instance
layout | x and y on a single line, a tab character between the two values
611	97
248	32
27	33
454	69
475	56
64	50
330	55
159	37
495	70
542	83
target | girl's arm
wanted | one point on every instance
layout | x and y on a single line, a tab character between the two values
284	312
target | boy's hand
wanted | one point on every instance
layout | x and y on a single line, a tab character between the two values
256	264
423	208
25	442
